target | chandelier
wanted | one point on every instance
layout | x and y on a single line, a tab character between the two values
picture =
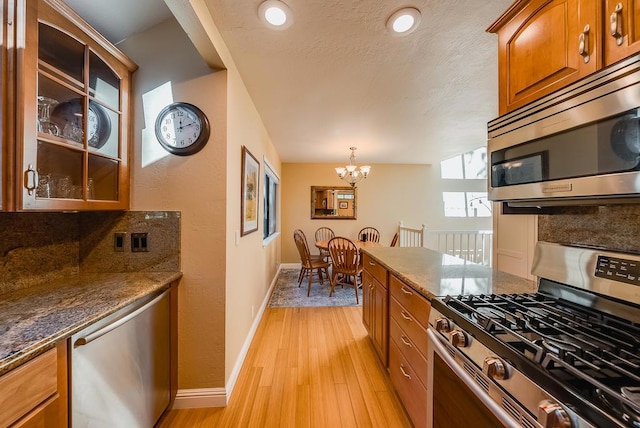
351	173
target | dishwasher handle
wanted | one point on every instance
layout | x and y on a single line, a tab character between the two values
85	340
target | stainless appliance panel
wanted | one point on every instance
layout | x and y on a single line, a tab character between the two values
120	368
567	133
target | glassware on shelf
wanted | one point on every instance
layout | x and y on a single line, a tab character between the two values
45	106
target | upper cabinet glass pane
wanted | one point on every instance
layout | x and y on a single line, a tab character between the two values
62	52
104	85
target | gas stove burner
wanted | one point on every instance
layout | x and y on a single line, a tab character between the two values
557	347
626	405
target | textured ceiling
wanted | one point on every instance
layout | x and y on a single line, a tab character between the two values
336	78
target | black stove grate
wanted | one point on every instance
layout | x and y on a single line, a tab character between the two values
594	353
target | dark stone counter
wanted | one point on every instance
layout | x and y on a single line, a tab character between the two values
33	319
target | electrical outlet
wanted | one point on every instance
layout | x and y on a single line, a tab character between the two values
118	241
139	242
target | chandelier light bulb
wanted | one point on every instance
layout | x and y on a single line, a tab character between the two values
351	173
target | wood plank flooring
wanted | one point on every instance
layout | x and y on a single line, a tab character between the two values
306	367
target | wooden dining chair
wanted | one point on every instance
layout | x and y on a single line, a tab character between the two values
346	262
324	234
309	265
394	241
370	234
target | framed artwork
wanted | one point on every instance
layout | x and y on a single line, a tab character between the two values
249	193
343	205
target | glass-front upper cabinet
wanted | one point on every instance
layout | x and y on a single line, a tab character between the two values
75	115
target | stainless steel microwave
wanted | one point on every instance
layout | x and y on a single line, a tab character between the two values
579	145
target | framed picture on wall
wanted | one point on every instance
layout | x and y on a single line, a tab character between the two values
249	193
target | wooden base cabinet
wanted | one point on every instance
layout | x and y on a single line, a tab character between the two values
408	342
35	394
375	305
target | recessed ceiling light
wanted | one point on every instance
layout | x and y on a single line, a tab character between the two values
404	21
275	14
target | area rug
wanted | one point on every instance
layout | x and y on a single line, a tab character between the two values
287	294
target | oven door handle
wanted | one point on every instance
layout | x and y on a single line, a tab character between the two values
491	405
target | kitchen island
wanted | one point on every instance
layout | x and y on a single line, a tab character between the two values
433	274
398	286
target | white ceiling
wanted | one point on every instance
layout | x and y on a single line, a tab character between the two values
336	78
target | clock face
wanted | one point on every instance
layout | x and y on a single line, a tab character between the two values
68	118
182	129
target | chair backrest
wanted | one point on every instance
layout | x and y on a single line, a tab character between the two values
394	241
344	255
324	234
369	234
303	248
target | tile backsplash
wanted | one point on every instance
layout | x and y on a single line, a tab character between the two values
614	227
36	247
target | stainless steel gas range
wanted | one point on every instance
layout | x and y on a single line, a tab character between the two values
566	356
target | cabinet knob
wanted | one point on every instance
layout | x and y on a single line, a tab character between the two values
583	44
615	23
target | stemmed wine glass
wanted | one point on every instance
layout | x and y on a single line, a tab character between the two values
45	105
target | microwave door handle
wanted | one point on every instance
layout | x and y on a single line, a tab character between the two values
491	405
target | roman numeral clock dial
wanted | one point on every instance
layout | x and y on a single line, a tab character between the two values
182	129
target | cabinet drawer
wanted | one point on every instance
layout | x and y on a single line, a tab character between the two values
410	299
27	386
409	350
378	271
407	322
411	391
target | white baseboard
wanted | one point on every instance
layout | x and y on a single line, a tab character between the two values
219	397
201	397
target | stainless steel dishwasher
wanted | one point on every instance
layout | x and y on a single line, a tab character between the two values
120	367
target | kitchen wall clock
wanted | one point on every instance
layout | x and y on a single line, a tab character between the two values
182	129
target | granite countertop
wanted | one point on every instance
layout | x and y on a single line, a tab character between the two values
435	274
34	318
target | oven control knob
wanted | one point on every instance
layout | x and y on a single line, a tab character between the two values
458	339
552	415
494	368
443	325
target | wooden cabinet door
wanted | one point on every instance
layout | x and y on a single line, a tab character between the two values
367	300
544	46
72	114
379	318
621	29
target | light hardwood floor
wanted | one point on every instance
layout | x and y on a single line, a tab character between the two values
306	367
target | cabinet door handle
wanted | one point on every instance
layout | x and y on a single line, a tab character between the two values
405	374
371	263
615	21
404	340
30	179
583	44
405	291
408	318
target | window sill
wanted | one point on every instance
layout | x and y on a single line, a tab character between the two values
267	241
